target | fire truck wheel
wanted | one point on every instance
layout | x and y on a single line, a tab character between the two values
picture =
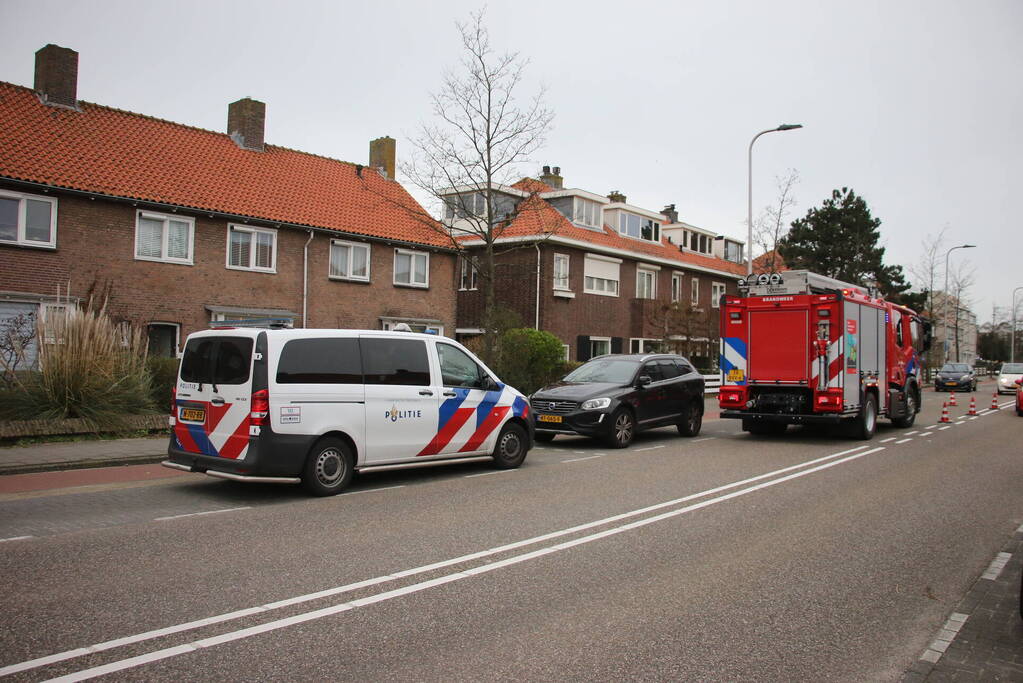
510	450
623	428
329	467
866	421
910	417
692	420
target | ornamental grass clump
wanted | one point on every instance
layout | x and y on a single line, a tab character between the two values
89	367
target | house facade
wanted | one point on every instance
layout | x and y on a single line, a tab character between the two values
602	275
176	228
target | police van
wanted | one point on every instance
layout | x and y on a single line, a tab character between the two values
313	406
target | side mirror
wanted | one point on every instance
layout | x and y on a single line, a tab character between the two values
643	381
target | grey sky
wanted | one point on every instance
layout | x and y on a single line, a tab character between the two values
915	105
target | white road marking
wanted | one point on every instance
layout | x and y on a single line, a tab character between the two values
912	433
941	429
706	438
997	565
382	488
15	538
890	438
199	514
902	441
930	427
648	448
581	459
974	417
188	626
487	474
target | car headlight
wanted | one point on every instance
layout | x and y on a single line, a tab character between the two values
596	404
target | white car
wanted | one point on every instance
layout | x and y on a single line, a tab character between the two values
1007	377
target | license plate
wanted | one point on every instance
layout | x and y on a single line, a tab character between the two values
549	418
193	414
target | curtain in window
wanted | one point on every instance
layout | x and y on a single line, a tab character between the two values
37	221
403	268
241	248
177	239
264	250
150	238
339	260
420	269
8	219
360	263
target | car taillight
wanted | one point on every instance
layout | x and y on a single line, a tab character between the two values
260	408
731	397
829	400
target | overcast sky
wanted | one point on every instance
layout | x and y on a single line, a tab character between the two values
917	106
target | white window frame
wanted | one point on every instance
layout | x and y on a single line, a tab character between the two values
676	287
49	309
252	250
352	246
655	227
598	285
420	326
599	340
22	226
561	275
165	237
716	290
566	349
413	254
649	275
586	212
694	293
643	343
469	280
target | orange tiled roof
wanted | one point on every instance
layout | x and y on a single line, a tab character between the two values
532	185
118	153
537	217
770	262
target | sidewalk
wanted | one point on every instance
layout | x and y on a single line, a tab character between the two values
45	457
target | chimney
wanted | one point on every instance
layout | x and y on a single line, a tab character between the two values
616	196
56	78
246	121
382	155
552	178
670	213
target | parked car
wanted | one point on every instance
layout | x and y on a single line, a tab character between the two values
614	396
1007	376
954	376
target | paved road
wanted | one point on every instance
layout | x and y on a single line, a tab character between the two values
718	558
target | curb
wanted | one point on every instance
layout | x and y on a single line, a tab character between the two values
31	468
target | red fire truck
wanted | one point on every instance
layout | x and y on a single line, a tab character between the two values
802	348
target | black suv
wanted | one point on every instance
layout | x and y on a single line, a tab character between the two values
955	376
614	396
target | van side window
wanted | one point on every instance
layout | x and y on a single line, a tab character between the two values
320	360
396	361
197	360
457	369
220	360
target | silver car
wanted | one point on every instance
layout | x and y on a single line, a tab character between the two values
1007	377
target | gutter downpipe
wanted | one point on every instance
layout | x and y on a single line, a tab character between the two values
305	278
537	245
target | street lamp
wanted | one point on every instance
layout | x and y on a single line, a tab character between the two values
944	308
749	216
1012	335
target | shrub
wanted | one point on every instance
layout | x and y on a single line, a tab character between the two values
163	374
529	359
89	368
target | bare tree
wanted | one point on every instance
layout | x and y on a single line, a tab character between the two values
926	272
771	225
960	280
480	138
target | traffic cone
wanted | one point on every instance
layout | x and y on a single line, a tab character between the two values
944	413
973	406
994	401
952	399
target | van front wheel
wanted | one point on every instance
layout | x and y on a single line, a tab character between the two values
329	467
510	450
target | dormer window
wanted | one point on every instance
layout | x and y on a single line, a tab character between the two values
470	205
639	227
586	212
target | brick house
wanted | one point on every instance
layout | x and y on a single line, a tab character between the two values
178	227
602	275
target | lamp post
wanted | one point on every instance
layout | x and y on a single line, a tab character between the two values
1012	332
749	186
944	307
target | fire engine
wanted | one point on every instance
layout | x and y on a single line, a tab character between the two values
802	348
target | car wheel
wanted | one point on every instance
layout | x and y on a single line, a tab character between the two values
329	467
692	419
910	418
866	421
623	429
510	450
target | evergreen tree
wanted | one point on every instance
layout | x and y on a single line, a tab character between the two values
840	239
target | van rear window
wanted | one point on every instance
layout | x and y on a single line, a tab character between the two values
396	361
320	361
217	360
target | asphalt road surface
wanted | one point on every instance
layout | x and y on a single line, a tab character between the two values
724	557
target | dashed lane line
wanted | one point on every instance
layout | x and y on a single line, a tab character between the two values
890	438
590	457
16	538
902	441
382	488
199	514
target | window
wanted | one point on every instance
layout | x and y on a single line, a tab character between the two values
733	252
567	350
469	205
396	362
717	290
676	287
217	360
251	248
599	346
349	261
163	339
646	346
646	284
411	268
639	227
458	370
586	212
695	294
601	275
421	326
163	238
28	220
561	262
469	273
320	361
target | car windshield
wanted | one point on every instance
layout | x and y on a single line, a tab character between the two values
955	367
611	370
1012	369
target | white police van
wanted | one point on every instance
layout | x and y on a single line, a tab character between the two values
313	406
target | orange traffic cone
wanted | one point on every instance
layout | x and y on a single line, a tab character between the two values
973	406
944	413
952	399
994	401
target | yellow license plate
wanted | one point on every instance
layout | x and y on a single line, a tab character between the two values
736	375
193	414
549	418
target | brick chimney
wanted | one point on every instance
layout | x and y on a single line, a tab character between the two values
670	213
552	177
246	121
382	155
616	196
56	78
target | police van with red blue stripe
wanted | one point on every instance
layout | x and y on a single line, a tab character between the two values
314	406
